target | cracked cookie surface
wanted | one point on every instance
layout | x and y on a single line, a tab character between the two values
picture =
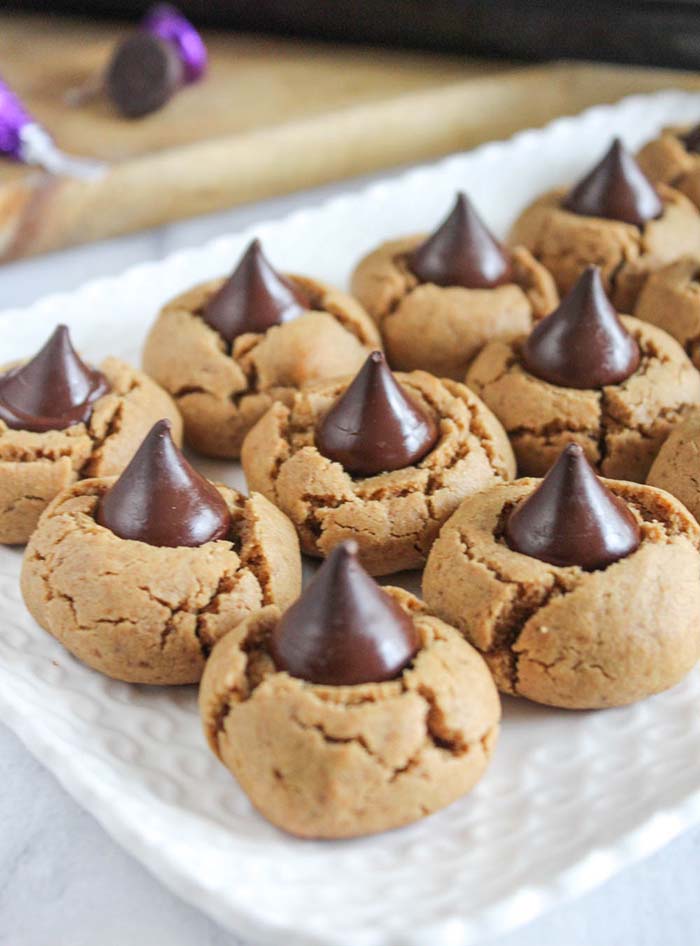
621	427
339	762
564	636
442	328
671	299
666	160
147	614
395	517
566	243
222	393
35	467
677	466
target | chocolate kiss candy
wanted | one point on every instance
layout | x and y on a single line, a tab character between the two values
691	140
161	500
54	390
572	518
583	343
254	298
616	188
462	252
145	71
344	629
374	426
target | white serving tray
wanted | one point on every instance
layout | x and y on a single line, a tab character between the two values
570	799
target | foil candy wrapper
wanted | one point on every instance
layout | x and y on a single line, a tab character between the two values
170	25
24	139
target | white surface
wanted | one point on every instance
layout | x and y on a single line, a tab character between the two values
561	785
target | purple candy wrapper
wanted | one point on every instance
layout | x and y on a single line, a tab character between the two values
24	139
13	118
170	25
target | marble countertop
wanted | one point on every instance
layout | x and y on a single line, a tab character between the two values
64	882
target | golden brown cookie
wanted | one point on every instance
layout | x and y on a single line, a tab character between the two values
671	299
621	427
677	465
148	614
441	328
339	762
666	160
34	467
566	243
221	394
394	516
564	636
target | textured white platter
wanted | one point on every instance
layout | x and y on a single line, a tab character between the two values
571	797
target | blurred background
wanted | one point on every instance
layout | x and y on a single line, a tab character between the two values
299	94
641	31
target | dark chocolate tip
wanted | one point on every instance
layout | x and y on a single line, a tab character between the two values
583	343
143	74
375	426
616	189
462	252
691	140
52	391
161	500
572	518
254	298
344	630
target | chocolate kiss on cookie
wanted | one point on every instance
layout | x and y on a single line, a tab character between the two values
583	343
691	139
617	189
344	629
54	390
254	298
161	500
462	252
572	518
375	426
144	72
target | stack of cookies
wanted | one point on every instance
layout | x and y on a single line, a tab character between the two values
520	421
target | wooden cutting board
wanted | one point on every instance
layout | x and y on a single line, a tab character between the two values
272	116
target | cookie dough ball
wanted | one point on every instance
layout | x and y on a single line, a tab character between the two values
145	613
677	466
626	250
395	516
35	465
620	426
324	761
561	635
439	320
674	159
223	386
671	300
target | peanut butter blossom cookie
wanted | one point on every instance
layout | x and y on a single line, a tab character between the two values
616	218
381	458
139	576
581	593
61	420
226	350
353	712
439	300
674	159
611	383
